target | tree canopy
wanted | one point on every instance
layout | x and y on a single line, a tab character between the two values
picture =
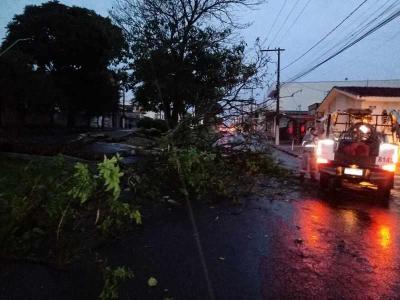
182	55
69	55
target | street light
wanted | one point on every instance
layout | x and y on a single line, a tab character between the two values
13	44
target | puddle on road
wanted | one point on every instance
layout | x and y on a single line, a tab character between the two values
333	249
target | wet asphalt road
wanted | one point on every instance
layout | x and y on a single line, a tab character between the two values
337	246
303	245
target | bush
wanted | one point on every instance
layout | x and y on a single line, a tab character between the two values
149	123
53	210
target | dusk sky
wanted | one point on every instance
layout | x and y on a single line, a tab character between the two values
375	58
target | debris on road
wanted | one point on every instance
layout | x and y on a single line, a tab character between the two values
152	282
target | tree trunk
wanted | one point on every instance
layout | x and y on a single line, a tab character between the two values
1	115
88	121
51	118
23	117
70	119
113	121
167	113
174	118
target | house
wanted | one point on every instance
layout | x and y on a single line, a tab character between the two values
292	124
377	99
300	95
297	96
312	109
380	101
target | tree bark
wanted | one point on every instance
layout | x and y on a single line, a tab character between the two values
88	121
70	119
1	115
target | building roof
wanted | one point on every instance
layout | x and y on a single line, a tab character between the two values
299	95
288	112
363	91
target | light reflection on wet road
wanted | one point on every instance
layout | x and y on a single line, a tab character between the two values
344	246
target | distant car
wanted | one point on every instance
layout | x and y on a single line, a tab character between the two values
242	141
230	139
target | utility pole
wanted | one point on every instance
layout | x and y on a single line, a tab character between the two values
278	87
252	101
251	110
123	108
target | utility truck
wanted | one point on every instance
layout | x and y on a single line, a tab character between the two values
359	148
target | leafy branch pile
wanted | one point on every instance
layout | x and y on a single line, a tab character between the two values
52	210
200	170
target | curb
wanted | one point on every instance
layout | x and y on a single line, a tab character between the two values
286	151
26	156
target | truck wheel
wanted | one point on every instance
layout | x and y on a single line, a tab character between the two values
324	180
337	184
384	192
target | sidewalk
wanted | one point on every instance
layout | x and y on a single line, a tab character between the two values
296	152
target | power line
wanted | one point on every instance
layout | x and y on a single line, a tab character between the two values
362	26
353	32
284	23
326	35
295	21
376	47
275	21
356	33
391	18
381	24
366	14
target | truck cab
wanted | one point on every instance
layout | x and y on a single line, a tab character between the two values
359	148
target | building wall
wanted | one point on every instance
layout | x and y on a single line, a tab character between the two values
342	103
377	107
376	104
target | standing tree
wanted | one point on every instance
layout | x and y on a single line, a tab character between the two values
73	49
182	56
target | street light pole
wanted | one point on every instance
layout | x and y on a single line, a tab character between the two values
278	87
13	44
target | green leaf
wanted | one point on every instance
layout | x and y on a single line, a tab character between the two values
109	171
152	282
82	183
137	216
